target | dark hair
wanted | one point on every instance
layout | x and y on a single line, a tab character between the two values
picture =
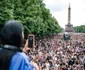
11	33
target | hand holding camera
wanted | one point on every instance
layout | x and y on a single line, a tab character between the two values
29	44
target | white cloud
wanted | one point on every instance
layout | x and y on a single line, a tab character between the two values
55	5
59	9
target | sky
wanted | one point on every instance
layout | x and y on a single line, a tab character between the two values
59	9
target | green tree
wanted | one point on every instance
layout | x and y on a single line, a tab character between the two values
80	29
35	18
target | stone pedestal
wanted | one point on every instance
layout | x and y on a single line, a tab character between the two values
69	28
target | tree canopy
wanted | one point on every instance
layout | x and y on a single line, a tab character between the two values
35	18
80	29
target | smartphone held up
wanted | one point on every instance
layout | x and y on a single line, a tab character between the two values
31	39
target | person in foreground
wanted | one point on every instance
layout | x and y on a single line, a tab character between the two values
11	55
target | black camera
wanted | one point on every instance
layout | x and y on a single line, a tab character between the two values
30	40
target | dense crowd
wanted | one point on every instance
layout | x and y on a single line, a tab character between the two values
54	53
50	53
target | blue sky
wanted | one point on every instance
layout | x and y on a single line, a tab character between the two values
59	9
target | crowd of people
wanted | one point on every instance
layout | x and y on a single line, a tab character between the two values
49	53
54	53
